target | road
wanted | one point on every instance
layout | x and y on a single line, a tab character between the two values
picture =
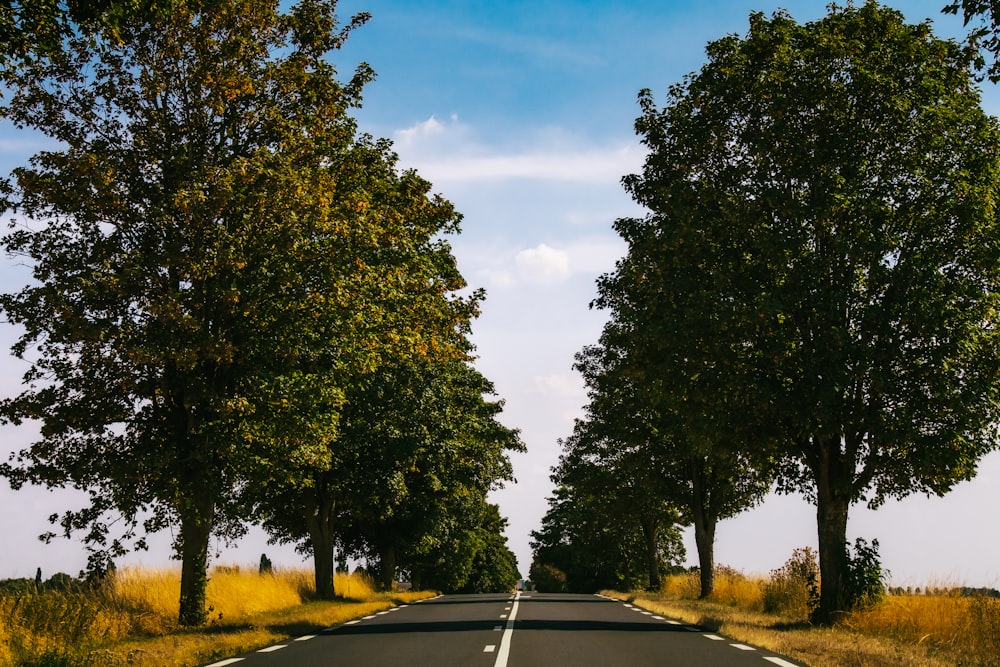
523	630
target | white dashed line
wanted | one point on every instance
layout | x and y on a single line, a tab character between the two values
223	663
365	618
503	615
357	620
305	638
490	648
660	618
504	653
743	647
497	628
714	638
777	661
272	649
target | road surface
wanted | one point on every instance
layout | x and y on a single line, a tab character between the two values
522	630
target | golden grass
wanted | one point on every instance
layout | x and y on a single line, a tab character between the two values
903	631
133	619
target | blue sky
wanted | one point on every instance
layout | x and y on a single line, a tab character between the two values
521	113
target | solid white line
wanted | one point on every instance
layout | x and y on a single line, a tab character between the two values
272	649
743	647
777	661
508	632
223	663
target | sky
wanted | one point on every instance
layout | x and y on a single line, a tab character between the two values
521	113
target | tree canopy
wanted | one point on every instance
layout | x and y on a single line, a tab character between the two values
215	252
820	258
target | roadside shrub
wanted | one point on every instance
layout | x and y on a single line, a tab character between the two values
866	578
548	578
793	589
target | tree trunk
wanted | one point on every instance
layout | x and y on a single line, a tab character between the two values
319	522
832	506
650	530
387	565
704	528
196	529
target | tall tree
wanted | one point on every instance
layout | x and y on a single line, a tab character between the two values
209	261
419	448
838	181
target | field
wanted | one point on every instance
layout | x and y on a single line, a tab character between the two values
132	618
944	628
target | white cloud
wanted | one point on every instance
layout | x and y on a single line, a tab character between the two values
560	385
542	264
449	152
599	166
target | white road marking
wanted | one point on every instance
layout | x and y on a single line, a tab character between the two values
223	663
647	613
715	638
357	620
743	647
660	618
490	648
503	615
673	622
365	618
381	613
272	649
498	628
504	653
777	661
305	638
628	606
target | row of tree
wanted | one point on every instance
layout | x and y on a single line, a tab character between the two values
241	310
810	302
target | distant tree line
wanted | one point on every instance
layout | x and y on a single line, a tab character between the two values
809	304
242	310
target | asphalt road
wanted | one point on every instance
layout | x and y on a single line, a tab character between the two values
524	630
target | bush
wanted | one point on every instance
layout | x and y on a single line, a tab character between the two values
793	589
866	578
548	578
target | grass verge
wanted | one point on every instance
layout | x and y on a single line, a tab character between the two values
946	630
131	620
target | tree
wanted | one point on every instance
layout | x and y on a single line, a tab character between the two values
676	450
981	18
838	179
419	447
210	263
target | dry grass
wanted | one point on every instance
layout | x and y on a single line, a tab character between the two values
903	631
133	619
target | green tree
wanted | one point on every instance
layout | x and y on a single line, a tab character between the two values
674	444
981	19
419	447
210	264
833	187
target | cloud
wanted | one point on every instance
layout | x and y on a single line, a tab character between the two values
450	153
542	264
561	385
